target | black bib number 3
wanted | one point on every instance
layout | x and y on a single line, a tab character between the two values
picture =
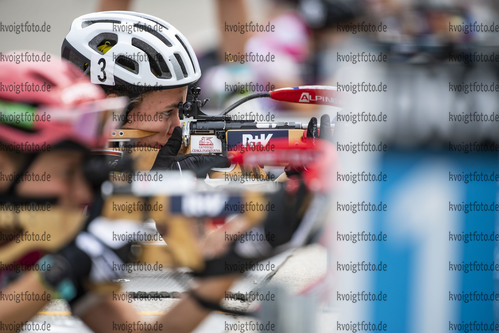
102	62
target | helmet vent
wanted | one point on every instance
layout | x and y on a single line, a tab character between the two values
128	64
153	20
44	79
157	63
85	24
188	53
154	33
164	67
100	39
181	63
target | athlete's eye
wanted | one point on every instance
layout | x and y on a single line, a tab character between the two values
167	113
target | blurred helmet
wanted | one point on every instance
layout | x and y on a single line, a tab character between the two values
136	51
42	106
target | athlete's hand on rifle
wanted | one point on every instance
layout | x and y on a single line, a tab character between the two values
273	236
168	159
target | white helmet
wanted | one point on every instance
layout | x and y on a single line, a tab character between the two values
131	50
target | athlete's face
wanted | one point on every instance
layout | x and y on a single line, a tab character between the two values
157	112
54	174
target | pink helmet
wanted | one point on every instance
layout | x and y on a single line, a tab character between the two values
42	105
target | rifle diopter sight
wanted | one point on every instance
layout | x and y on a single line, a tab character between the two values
192	107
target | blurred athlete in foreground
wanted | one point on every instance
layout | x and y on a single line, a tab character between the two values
57	147
46	131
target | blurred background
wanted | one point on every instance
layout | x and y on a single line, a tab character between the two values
195	19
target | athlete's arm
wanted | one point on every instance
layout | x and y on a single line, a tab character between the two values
26	289
111	314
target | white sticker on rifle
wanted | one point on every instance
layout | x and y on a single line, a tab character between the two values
204	144
102	69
